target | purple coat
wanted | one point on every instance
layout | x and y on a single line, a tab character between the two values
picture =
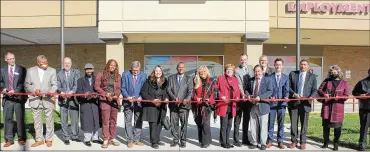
336	113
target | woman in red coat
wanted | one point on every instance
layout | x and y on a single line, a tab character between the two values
108	85
203	93
228	92
332	111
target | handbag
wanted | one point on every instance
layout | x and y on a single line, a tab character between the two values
166	123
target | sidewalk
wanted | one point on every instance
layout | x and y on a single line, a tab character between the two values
165	137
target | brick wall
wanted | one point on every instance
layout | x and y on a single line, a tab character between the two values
356	59
232	53
81	54
134	52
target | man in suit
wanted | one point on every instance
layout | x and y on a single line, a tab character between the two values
302	85
259	88
67	85
280	83
12	80
132	81
242	72
264	63
42	79
180	89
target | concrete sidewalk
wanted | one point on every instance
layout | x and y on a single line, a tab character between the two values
192	143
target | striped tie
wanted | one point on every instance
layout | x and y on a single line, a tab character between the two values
11	79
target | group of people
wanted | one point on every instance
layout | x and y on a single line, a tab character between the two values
241	93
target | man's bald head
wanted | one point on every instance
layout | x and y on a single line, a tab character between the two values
67	63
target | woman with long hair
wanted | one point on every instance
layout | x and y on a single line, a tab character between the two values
154	112
203	94
108	85
332	111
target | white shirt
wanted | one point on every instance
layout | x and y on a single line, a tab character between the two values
9	66
304	78
259	84
41	73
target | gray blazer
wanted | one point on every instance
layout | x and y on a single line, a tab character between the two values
62	85
240	73
309	89
48	84
184	92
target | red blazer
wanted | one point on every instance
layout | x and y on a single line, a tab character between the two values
336	113
198	93
224	90
101	87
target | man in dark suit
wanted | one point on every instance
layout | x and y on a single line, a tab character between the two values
67	85
280	83
180	88
12	80
264	63
302	85
260	88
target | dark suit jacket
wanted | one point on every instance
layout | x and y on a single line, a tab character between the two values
185	92
363	87
62	85
265	91
128	89
309	89
280	91
19	77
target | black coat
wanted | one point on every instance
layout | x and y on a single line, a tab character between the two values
151	91
89	109
19	77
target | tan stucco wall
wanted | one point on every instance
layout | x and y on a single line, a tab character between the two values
41	14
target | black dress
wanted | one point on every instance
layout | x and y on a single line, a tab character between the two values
326	122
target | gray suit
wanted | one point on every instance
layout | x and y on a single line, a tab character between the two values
43	103
68	104
183	91
242	108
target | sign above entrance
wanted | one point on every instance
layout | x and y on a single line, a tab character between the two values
330	7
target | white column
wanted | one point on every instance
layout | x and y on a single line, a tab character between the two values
254	49
115	50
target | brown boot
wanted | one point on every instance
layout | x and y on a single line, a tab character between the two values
49	143
37	143
111	142
268	144
130	144
8	144
139	143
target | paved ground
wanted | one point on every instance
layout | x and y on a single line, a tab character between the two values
165	137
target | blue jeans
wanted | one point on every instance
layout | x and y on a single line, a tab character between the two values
280	111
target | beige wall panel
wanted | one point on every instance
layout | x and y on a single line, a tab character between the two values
80	21
257	26
273	22
48	21
110	26
256	10
181	26
210	10
316	23
184	49
110	10
30	8
273	8
80	7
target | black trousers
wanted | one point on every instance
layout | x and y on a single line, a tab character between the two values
226	124
337	133
177	115
364	122
243	110
295	113
204	126
155	132
9	108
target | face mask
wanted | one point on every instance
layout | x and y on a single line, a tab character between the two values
334	76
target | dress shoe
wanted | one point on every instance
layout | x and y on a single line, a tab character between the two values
225	146
161	144
8	144
49	143
76	140
324	146
174	144
336	146
205	146
97	141
155	146
104	146
130	144
66	142
87	143
293	145
21	142
238	144
231	146
361	148
252	147
182	145
38	143
303	146
268	144
114	143
139	143
263	147
281	146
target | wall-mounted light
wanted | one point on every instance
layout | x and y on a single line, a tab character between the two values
285	47
306	38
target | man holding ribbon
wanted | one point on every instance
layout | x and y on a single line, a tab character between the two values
12	81
67	85
41	81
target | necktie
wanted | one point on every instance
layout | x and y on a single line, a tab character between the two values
255	92
11	78
278	80
300	84
180	79
134	81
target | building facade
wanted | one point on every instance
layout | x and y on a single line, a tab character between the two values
197	32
